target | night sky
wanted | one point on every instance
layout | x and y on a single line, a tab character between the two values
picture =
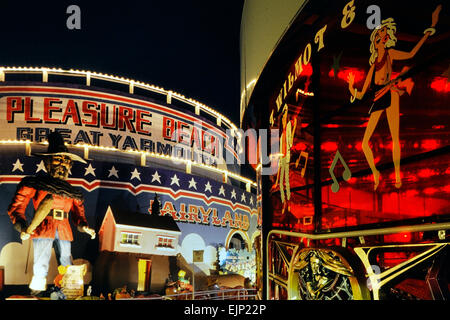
190	47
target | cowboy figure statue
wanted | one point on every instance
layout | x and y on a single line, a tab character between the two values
53	198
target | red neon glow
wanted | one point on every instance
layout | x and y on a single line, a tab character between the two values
392	176
299	147
440	84
411	193
430	191
301	210
425	173
394	75
430	144
391	259
389	145
307	70
398	237
344	72
331	125
329	146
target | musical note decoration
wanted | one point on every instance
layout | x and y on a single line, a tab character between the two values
305	155
346	175
336	63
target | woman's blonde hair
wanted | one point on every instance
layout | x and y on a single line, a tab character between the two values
391	30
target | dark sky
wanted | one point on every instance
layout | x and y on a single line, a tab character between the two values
190	47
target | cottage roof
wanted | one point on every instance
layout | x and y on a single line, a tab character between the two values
132	218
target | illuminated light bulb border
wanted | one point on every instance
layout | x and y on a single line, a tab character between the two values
146	153
129	82
305	93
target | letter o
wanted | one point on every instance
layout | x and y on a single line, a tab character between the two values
307	54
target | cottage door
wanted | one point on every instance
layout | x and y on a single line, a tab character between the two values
144	268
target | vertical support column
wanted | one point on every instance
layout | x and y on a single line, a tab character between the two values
197	109
44	76
267	211
143	159
86	152
188	167
28	148
131	88
315	84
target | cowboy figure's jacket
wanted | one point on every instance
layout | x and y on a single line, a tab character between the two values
65	199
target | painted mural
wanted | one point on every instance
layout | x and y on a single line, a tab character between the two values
210	213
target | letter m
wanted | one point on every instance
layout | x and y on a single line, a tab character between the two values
250	148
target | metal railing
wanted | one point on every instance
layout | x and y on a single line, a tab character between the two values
440	227
224	294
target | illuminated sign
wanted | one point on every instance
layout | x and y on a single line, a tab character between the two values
383	139
103	119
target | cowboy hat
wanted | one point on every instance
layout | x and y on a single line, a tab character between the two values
56	146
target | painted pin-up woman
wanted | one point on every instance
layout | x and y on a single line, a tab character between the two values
386	92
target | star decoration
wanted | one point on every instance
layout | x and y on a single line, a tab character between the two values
192	184
222	191
208	187
113	172
135	174
251	200
17	166
41	166
175	180
156	177
243	197
89	170
233	194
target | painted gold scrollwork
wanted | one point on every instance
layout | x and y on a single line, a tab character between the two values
323	274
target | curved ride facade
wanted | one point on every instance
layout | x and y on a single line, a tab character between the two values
138	141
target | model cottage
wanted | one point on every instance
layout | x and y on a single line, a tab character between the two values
136	249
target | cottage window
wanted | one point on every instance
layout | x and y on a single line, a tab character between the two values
165	242
130	238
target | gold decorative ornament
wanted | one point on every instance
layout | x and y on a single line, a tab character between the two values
431	30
